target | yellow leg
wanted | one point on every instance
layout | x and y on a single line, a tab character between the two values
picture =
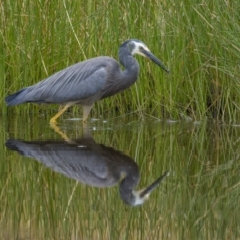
58	130
61	111
86	111
63	135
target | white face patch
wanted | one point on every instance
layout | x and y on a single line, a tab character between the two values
136	50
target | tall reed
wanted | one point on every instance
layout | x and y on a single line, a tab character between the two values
197	41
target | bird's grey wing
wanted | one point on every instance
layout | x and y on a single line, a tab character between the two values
82	164
79	81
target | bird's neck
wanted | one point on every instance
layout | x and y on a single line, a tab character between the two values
131	68
128	184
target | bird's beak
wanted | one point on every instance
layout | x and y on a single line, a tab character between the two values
149	55
146	192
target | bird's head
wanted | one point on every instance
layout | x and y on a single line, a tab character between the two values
138	47
135	198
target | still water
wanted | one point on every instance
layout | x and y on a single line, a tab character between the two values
70	182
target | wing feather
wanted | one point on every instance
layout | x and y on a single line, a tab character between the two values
80	81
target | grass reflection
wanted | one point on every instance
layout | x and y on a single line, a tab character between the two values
198	201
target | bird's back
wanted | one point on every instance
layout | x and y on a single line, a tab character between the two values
82	82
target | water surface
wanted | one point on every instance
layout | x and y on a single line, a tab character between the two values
199	200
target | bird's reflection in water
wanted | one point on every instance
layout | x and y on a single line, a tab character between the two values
88	162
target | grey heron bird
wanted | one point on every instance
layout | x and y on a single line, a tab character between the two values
86	82
90	163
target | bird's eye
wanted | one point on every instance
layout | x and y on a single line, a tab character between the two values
141	48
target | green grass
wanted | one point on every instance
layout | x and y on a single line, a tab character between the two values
199	42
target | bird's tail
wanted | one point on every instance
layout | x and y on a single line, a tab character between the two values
14	98
12	145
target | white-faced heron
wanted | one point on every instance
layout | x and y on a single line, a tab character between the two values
86	82
90	163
